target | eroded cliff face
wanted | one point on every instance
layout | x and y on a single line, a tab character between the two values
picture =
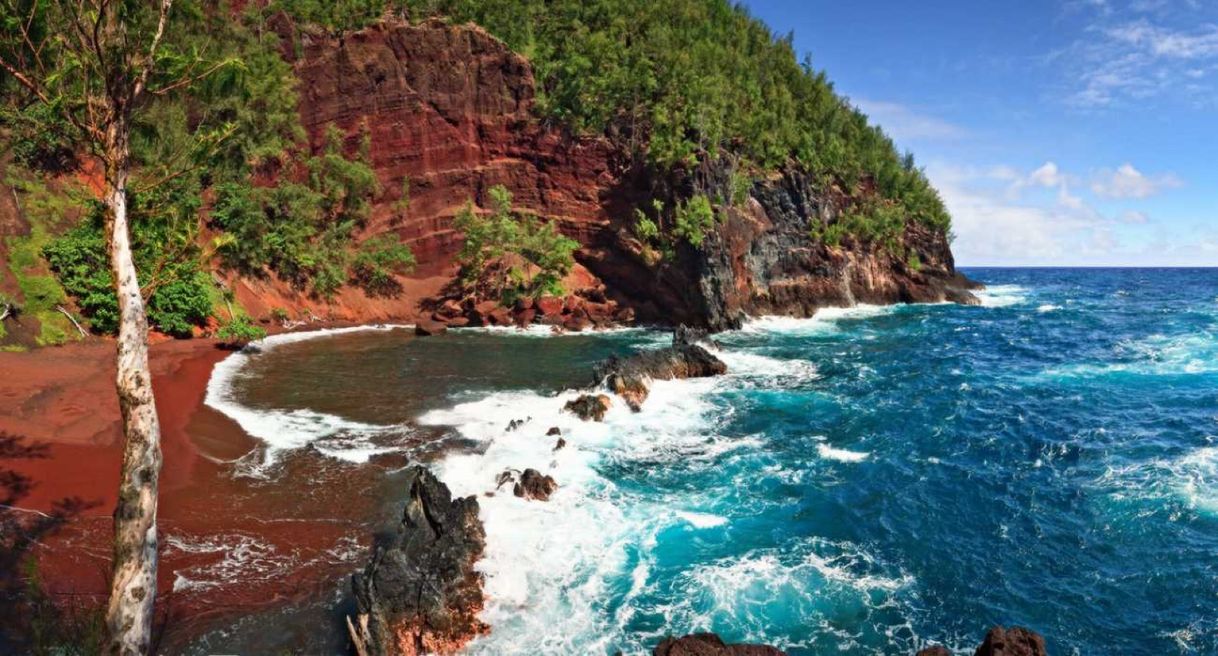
452	109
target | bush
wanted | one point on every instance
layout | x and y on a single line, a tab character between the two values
693	219
513	254
239	332
377	261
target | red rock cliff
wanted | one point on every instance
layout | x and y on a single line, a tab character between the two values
451	108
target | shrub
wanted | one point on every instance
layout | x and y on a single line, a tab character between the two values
377	261
239	332
514	254
693	219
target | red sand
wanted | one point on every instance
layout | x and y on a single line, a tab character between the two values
243	544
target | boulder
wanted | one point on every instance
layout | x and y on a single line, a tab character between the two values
534	485
576	322
523	318
501	316
559	444
427	327
1015	641
420	593
458	322
589	407
709	644
549	306
554	430
449	308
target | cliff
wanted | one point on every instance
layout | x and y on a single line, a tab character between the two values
451	108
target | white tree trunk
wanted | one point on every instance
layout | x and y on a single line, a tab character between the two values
133	586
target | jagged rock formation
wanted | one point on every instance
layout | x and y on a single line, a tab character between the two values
589	407
420	594
630	378
1015	641
709	644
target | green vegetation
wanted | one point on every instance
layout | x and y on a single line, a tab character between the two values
693	218
377	261
508	254
240	331
691	80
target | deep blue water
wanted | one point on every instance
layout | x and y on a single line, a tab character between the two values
871	480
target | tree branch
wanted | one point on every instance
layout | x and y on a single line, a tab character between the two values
142	81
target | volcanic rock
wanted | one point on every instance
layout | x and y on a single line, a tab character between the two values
589	407
420	593
535	485
629	378
554	430
709	644
1015	641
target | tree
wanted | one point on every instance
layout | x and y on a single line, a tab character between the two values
94	64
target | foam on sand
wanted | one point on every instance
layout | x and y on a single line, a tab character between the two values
285	430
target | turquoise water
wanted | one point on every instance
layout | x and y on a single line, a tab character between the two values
864	482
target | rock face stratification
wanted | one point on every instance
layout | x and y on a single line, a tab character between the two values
452	109
420	593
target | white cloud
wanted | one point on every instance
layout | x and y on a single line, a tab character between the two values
1134	217
1139	60
904	123
994	224
1128	182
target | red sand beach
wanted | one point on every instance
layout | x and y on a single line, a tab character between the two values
229	545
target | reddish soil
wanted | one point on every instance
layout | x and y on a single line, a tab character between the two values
229	545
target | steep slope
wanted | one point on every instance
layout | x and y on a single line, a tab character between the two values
452	109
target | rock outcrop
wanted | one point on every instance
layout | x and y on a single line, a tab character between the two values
534	485
589	407
630	378
420	594
709	644
1015	641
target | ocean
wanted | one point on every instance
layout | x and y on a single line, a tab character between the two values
867	481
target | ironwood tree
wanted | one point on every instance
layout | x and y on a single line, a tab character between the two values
93	65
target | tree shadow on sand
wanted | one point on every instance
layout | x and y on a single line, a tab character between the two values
22	529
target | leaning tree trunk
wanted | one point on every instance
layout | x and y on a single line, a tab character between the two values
133	586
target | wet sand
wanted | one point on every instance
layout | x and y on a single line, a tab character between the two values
229	545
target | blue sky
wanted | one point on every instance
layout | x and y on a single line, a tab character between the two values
1078	132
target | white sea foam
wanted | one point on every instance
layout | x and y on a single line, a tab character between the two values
1188	481
1048	307
239	557
1002	295
823	320
1157	355
284	430
701	520
841	455
550	566
541	330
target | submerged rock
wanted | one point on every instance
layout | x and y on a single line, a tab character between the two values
535	485
1015	641
589	407
630	377
709	644
420	594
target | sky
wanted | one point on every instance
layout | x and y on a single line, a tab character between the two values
1069	133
